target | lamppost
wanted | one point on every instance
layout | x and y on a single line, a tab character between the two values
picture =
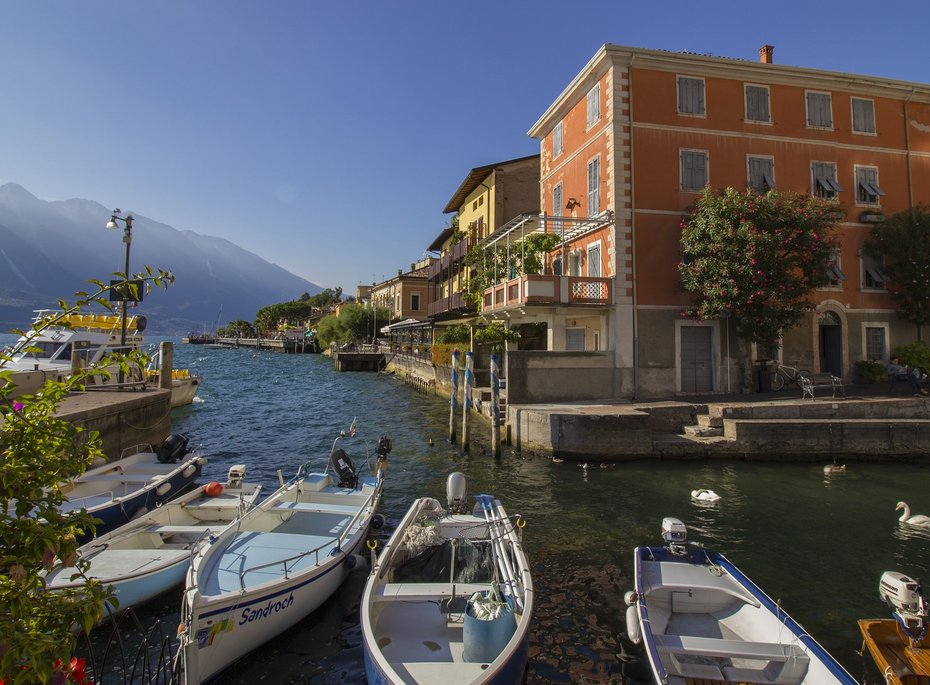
124	295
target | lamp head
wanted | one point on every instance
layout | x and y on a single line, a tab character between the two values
112	223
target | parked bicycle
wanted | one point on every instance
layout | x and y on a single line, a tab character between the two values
783	375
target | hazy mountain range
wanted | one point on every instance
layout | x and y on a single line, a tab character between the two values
49	250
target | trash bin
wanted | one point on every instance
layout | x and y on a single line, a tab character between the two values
763	380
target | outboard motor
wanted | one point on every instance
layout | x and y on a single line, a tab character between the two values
904	596
384	447
344	468
675	534
456	489
173	449
235	475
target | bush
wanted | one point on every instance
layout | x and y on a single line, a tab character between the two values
454	334
868	371
913	354
442	353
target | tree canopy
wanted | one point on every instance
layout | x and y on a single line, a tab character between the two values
904	242
354	323
757	258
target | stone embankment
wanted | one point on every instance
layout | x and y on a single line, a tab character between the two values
791	429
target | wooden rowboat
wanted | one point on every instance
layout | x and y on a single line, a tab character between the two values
900	662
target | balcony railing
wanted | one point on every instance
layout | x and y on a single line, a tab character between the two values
543	290
456	253
453	303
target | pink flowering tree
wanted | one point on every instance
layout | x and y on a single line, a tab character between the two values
904	243
757	258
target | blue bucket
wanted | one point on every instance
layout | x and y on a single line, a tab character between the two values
483	641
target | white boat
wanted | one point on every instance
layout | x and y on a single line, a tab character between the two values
49	347
151	554
422	600
700	619
135	484
284	559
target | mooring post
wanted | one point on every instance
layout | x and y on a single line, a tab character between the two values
495	408
467	400
165	364
452	396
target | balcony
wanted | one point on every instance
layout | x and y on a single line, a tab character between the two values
438	270
453	304
549	290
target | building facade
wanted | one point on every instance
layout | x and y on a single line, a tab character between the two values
487	198
406	294
634	138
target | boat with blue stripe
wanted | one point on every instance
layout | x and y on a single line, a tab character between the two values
701	620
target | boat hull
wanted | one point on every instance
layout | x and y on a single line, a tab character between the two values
287	557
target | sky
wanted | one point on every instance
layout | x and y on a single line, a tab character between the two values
327	137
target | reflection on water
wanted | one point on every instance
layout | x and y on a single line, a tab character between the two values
817	543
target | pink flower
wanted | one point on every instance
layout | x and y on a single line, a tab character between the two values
18	406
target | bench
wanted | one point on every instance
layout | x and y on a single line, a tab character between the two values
318	508
783	664
115	478
171	530
426	592
810	382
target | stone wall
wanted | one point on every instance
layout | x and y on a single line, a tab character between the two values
541	376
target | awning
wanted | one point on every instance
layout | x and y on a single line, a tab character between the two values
406	323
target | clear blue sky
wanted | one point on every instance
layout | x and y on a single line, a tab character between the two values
327	136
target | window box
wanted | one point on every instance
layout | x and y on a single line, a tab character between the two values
871	218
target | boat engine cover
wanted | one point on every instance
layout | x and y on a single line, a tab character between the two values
900	591
174	448
344	468
673	530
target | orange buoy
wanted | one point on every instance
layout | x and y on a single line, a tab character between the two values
212	489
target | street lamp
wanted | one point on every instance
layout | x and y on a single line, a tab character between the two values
127	238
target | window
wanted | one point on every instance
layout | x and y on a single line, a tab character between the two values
835	274
557	140
873	276
557	265
823	179
868	191
594	260
415	302
574	339
557	204
691	96
574	263
594	105
819	110
693	170
863	115
594	186
757	103
876	342
761	173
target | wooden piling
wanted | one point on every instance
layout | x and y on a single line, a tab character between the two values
165	364
495	408
452	395
467	386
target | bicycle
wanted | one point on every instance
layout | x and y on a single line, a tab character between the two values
783	375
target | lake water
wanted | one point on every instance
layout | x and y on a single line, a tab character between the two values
817	544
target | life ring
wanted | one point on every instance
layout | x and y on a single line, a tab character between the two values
212	489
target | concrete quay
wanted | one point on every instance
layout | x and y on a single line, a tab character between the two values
868	425
123	418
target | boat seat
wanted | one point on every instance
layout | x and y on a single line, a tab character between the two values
116	478
674	666
423	592
709	646
791	672
178	529
318	508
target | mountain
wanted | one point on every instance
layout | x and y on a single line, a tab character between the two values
49	250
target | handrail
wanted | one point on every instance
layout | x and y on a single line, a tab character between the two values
338	540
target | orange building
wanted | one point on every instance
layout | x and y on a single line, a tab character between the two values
636	135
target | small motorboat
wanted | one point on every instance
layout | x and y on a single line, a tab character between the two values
281	561
699	618
900	645
151	554
135	484
450	599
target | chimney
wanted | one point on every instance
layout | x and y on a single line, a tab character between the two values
765	54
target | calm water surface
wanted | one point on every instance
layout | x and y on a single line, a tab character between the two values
818	544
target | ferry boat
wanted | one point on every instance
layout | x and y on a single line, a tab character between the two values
55	337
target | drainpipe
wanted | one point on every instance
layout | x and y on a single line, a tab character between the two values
633	241
907	148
